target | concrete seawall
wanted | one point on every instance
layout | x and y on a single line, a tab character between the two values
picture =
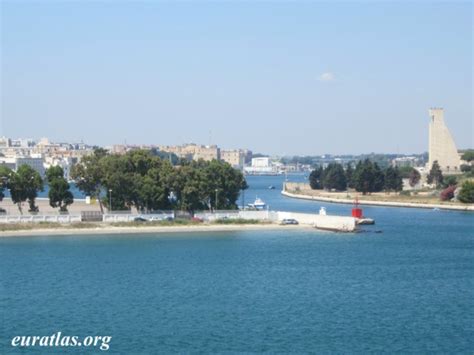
334	223
325	222
378	203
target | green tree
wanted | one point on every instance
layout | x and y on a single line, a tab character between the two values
334	177
468	155
466	195
405	171
88	174
435	175
5	174
316	178
24	186
368	177
414	177
393	179
449	180
59	194
350	176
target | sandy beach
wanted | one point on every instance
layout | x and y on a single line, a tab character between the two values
152	229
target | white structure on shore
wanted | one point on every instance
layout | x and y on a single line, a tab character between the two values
441	144
261	166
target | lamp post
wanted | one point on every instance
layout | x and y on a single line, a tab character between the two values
216	199
110	200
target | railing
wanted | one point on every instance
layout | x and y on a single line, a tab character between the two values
69	218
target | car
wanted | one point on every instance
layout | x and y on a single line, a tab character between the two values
140	219
287	221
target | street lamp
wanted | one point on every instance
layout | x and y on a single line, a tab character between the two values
216	198
110	200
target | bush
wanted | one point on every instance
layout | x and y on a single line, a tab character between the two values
466	168
466	195
449	181
405	193
236	221
448	193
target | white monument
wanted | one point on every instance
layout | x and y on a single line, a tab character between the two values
441	144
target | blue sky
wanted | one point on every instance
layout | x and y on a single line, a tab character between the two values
275	77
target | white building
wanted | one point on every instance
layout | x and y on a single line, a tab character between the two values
261	166
65	163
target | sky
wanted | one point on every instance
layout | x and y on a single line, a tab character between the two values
276	77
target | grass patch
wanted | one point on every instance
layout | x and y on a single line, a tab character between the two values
175	222
237	221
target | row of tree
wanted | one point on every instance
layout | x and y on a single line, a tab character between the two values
25	183
143	180
367	177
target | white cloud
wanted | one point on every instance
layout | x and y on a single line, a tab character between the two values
328	76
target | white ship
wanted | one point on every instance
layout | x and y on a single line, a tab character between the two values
258	204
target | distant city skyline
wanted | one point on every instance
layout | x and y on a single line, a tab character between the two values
295	78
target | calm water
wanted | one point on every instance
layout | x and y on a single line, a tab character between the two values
408	289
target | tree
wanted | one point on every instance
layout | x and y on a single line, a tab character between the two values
24	185
465	168
466	195
5	174
449	181
405	171
368	177
88	174
349	176
334	177
316	178
59	194
435	175
468	155
393	179
414	178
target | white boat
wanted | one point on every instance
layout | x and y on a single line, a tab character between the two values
258	204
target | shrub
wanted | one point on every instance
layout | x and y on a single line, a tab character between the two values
448	193
466	195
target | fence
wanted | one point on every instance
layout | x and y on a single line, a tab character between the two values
69	218
162	216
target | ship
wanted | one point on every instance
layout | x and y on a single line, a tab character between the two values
258	204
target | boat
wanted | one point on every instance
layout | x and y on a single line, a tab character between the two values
258	204
271	187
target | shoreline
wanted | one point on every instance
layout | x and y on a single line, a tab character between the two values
110	230
469	208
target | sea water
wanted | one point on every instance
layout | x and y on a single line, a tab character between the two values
409	288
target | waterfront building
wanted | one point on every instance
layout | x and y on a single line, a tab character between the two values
15	162
194	151
64	162
261	166
235	157
441	144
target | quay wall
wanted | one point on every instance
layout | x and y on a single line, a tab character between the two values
337	223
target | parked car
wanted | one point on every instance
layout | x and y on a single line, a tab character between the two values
289	221
197	219
140	219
